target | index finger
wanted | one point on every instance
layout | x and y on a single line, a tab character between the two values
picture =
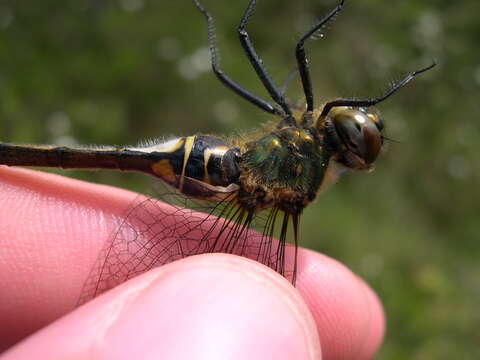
54	228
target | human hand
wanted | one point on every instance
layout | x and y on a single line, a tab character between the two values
212	306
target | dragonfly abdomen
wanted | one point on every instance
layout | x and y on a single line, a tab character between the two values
198	166
88	157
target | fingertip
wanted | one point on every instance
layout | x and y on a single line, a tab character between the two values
376	329
348	314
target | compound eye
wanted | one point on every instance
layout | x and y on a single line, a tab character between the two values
379	124
360	132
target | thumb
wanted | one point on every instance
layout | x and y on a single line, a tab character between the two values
213	306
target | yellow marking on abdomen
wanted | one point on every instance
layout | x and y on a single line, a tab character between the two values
206	157
218	150
189	142
164	170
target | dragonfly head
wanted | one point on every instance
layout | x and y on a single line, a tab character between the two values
357	136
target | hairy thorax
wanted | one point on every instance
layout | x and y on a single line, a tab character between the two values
283	169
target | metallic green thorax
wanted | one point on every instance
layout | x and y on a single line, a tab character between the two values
284	169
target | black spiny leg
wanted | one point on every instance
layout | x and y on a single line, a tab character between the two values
229	83
302	59
256	62
370	102
296	229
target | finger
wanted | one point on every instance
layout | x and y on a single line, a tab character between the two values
204	307
51	231
348	314
68	223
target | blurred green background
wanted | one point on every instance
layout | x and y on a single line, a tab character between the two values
116	72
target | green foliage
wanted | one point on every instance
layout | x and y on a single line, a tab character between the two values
105	72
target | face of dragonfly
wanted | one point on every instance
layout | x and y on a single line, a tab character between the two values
357	136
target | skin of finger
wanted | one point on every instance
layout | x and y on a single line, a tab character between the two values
349	316
214	306
51	230
63	235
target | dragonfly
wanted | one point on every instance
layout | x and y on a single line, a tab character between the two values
219	189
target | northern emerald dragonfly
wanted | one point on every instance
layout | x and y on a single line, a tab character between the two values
221	188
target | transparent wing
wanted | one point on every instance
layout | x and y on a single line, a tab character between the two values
171	226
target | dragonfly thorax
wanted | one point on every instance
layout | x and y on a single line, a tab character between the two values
283	169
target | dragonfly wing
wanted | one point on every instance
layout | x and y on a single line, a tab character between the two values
170	226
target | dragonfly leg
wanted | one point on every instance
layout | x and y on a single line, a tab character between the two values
227	81
257	63
371	102
302	58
